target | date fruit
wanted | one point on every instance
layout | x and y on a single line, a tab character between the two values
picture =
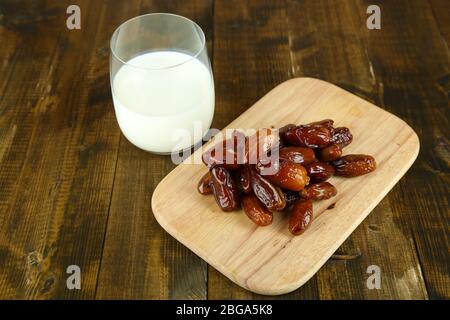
342	136
290	175
300	155
271	196
245	179
354	165
301	216
229	153
203	186
256	211
224	189
319	191
309	136
282	133
260	144
330	153
291	197
319	171
327	123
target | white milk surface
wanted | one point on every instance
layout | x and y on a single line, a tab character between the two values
154	99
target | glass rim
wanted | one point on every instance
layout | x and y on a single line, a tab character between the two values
192	57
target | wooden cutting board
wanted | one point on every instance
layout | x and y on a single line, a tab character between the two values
269	260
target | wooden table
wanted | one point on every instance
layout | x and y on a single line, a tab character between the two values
74	191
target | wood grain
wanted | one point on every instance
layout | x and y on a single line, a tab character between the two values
414	81
163	268
336	50
58	163
270	260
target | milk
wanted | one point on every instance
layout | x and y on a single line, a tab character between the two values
160	95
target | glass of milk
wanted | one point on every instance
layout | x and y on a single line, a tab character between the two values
162	83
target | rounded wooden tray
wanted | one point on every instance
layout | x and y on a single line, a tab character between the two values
269	260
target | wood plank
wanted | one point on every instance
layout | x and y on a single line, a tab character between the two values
440	10
59	164
327	40
251	57
140	260
413	65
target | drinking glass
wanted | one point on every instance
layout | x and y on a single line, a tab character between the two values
161	81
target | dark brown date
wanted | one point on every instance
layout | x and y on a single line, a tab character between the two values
229	153
245	179
291	197
301	216
354	165
289	175
282	133
224	189
330	153
318	191
327	123
256	211
309	136
342	136
271	196
260	144
319	171
203	186
300	155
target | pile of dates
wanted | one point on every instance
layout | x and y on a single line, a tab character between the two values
281	170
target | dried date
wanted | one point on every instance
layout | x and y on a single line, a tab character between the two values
260	144
327	123
256	211
290	175
342	136
229	153
319	191
271	196
282	133
319	171
330	153
300	155
301	216
224	189
309	136
204	186
291	197
245	179
354	165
